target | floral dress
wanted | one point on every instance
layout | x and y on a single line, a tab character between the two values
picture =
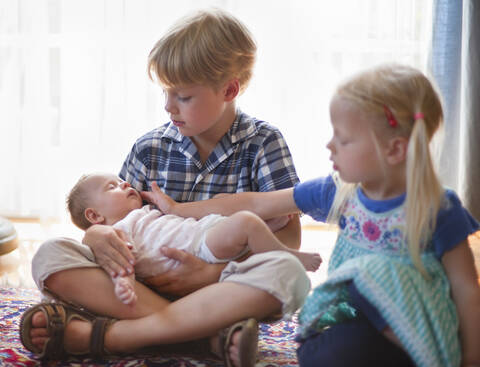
371	252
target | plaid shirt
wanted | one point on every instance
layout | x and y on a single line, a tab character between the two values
251	156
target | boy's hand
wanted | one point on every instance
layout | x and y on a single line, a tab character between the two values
110	248
163	202
190	275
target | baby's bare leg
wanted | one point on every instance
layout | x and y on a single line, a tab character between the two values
125	289
229	238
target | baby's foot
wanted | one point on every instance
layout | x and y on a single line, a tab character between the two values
125	290
310	260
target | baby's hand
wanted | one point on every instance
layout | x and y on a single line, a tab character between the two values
163	202
125	290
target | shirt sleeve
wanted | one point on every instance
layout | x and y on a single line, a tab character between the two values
134	170
315	197
275	169
454	224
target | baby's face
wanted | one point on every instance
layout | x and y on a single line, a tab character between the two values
112	197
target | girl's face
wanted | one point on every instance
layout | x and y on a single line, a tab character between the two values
195	109
353	149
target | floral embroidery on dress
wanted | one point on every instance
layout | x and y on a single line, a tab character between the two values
373	231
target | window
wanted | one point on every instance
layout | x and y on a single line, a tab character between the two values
74	94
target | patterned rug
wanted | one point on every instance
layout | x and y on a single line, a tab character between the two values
276	346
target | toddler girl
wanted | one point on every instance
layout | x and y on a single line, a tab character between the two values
402	287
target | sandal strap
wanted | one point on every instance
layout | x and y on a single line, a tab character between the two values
97	339
56	330
225	340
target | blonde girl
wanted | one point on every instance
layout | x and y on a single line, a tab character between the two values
402	288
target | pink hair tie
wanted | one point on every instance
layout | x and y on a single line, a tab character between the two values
418	116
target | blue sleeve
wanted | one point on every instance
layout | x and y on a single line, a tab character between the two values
454	224
315	197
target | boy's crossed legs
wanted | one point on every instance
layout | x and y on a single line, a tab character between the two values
153	320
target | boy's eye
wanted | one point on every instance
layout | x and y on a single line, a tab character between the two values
184	99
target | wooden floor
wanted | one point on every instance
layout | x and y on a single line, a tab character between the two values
15	267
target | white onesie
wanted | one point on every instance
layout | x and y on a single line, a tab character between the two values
147	229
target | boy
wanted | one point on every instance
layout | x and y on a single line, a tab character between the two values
209	147
104	198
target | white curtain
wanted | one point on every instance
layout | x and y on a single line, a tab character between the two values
74	94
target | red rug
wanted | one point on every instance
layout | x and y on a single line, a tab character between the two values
276	347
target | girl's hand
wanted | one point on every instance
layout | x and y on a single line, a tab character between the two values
163	202
111	249
190	275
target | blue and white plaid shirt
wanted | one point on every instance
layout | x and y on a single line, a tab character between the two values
251	156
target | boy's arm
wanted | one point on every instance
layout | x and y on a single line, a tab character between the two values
290	234
111	249
266	205
463	278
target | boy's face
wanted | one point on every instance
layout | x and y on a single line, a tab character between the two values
196	109
111	197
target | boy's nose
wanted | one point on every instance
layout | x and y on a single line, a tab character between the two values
170	106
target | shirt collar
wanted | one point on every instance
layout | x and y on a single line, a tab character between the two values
242	128
380	206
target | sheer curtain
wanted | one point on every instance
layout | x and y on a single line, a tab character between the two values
74	94
455	65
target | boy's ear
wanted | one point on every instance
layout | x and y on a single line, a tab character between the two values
397	150
93	216
231	89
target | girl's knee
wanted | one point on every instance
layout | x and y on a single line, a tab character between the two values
315	351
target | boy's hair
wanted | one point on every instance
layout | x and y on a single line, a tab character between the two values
416	106
206	48
77	201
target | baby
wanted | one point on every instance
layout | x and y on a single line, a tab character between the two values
103	198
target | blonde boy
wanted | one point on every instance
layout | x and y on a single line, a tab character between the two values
209	147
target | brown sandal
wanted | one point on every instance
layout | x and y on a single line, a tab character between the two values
247	344
58	315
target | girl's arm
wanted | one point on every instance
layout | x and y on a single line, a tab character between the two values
463	277
265	204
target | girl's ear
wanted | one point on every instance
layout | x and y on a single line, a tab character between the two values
397	150
231	89
93	216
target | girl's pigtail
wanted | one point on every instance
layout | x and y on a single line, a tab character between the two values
344	191
424	192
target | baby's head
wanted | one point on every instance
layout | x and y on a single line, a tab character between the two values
101	198
206	48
